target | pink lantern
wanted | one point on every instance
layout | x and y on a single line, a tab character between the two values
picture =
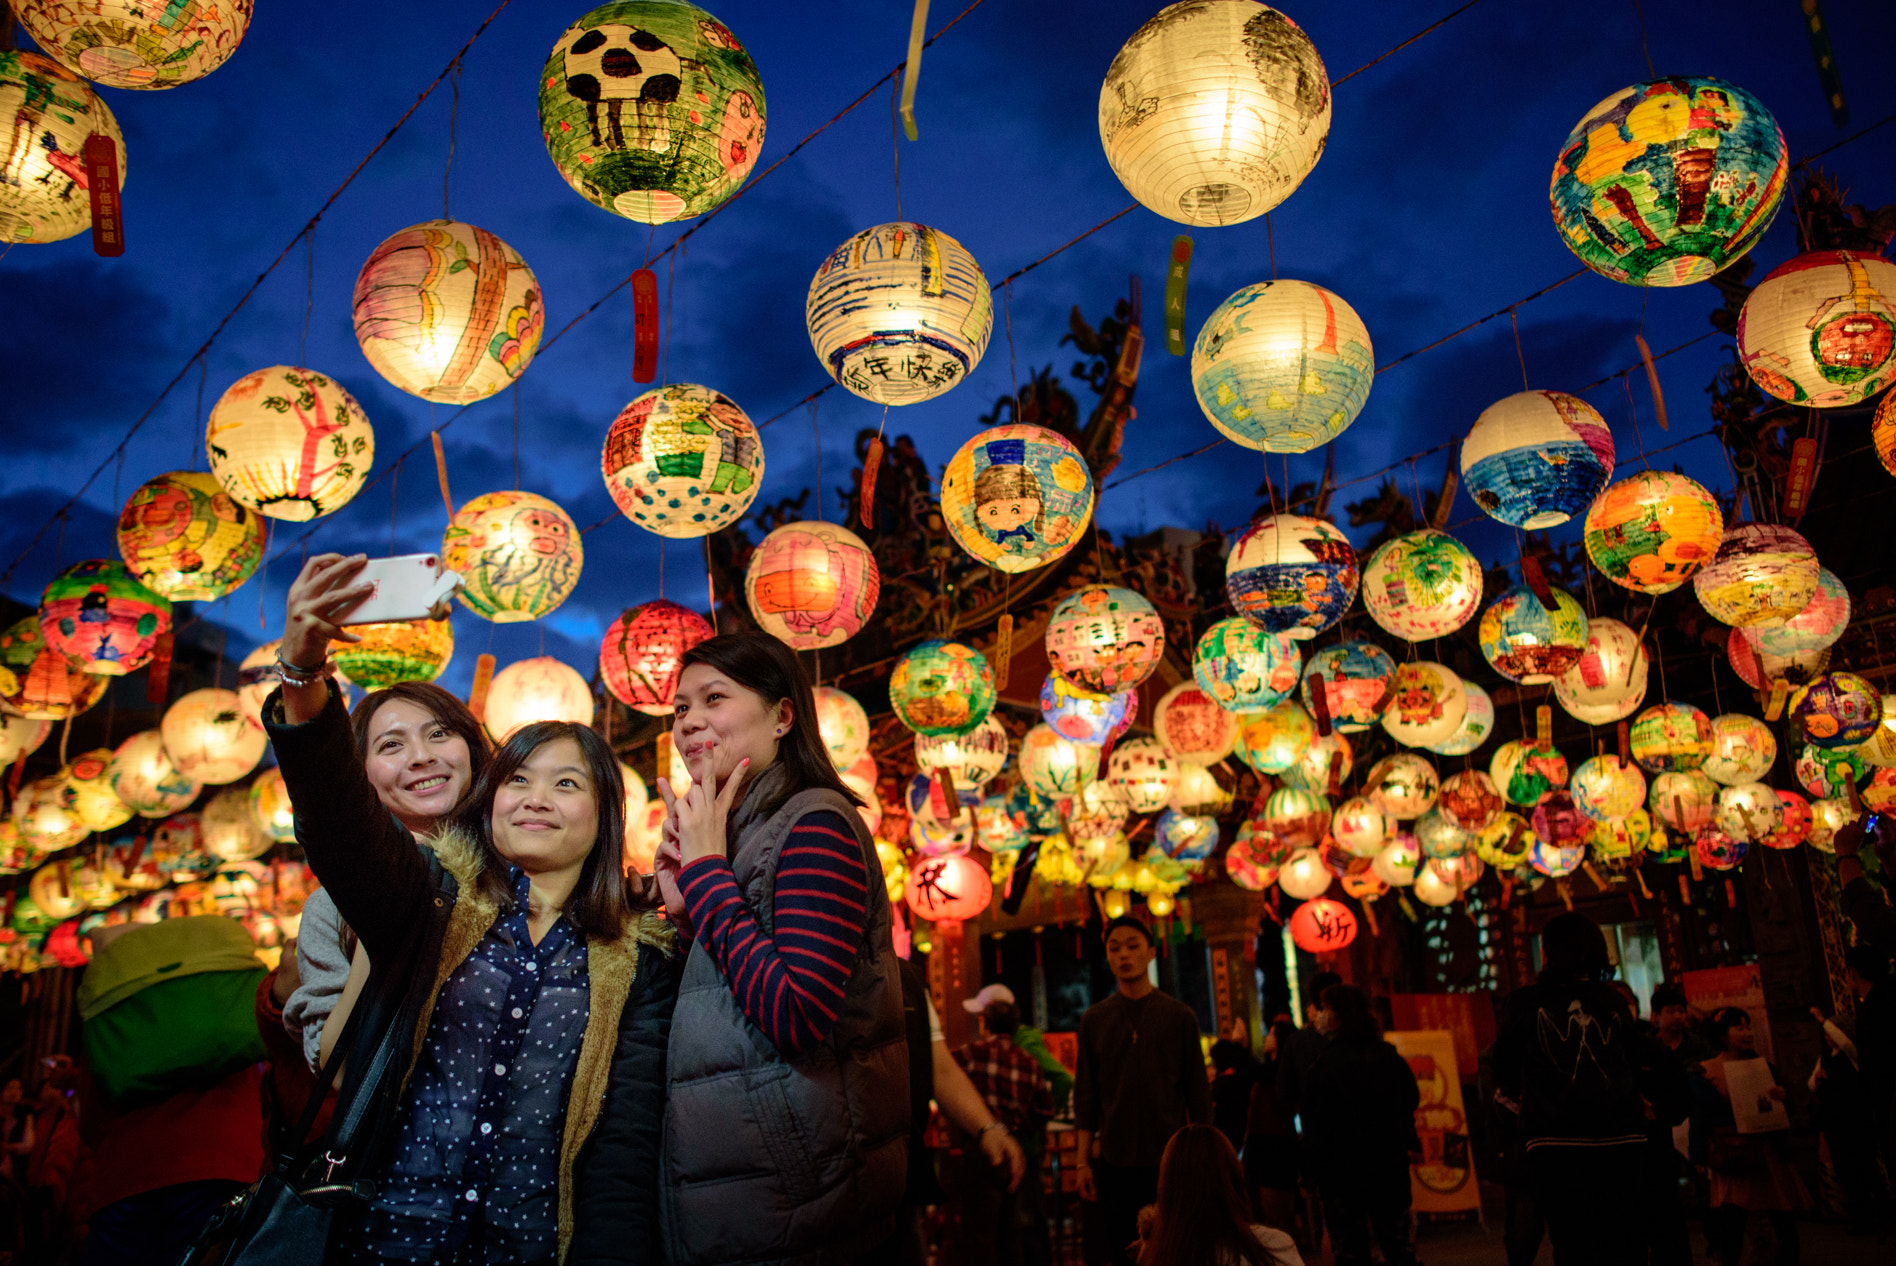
640	656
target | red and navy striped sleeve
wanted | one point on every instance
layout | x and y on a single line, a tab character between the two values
789	985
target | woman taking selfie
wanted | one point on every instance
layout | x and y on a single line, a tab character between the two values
786	1131
519	972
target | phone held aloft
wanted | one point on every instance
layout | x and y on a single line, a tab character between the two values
407	587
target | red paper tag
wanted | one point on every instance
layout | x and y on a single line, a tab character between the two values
1536	580
948	797
158	682
644	325
871	467
13	779
483	680
1802	477
1320	703
1336	774
1625	742
102	186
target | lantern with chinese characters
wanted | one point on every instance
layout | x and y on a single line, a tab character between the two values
1820	329
970	759
639	658
1758	668
1505	842
1324	766
1436	836
89	778
844	727
1558	821
1283	366
1214	113
402	650
1402	786
1743	749
1477	724
1303	875
208	737
144	777
538	689
448	312
129	44
95	613
1838	710
51	111
1085	717
230	830
682	461
1664	183
1360	827
1017	497
1827	817
1292	575
270	806
1537	458
652	110
1355	678
1054	765
1748	811
290	442
1143	770
519	555
1608	682
812	584
1683	799
899	314
1826	772
1524	774
1671	736
949	889
1815	627
1651	532
1273	741
1426	705
1395	864
1245	668
1105	639
1793	822
1423	585
185	538
1322	926
1606	788
1185	837
1528	643
1191	725
1469	799
21	737
44	814
942	687
1761	574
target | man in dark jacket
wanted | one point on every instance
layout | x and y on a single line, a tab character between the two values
1301	1052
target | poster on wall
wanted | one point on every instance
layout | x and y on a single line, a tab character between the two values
1445	1180
1706	991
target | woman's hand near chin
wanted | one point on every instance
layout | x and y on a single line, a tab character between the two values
697	817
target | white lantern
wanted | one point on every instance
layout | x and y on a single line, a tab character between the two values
1827	817
1304	876
518	554
1426	706
229	829
1395	864
1403	786
135	44
1820	329
538	689
1055	765
1608	683
43	194
682	461
970	759
1743	750
843	726
1144	772
1537	458
21	737
1422	585
43	814
144	776
1431	889
1748	811
290	442
89	778
1477	724
1100	809
1812	630
1360	827
1197	793
209	738
1283	366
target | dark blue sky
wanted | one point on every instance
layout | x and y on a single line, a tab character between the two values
1428	210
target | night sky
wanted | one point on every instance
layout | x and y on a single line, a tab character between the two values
1427	211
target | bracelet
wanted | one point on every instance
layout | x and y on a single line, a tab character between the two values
290	675
983	1131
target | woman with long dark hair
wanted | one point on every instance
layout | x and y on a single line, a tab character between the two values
1203	1216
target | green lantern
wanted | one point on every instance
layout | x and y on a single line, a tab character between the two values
942	688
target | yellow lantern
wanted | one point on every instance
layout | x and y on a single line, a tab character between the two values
88	777
844	727
66	889
1820	329
1283	366
43	180
290	442
271	808
1055	765
406	650
209	738
519	555
1360	827
1197	793
44	815
183	537
538	689
1761	574
1651	532
133	44
1143	770
1274	741
20	737
1432	889
143	775
1827	817
228	828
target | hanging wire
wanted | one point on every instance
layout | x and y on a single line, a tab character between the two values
816	438
895	143
1515	320
309	303
1644	47
454	114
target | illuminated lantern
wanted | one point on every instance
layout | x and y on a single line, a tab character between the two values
230	830
1245	870
1283	366
1099	855
899	314
45	817
1105	639
1524	775
1361	880
1304	876
1671	736
402	650
942	687
52	111
1017	497
1820	329
1748	811
1879	794
1757	668
949	889
1185	837
652	111
20	737
538	689
1664	183
1761	574
1432	889
1838	710
1160	904
1144	772
1100	810
144	777
1608	682
128	44
1054	765
1271	742
1423	585
1033	816
1814	628
96	614
290	442
1197	792
66	889
970	759
1192	726
448	312
183	537
1558	821
1395	865
1505	842
1436	836
682	461
1826	772
1526	642
639	852
938	839
995	829
1403	786
1292	575
1469	799
640	656
812	584
1827	817
1683	799
1743	749
143	874
274	814
860	778
1322	926
1537	458
1245	668
519	555
1883	433
1651	532
1355	678
1718	850
1879	749
1360	827
1296	818
208	737
1794	822
89	779
844	728
1606	788
39	683
1619	839
1554	860
1325	764
1426	706
1477	724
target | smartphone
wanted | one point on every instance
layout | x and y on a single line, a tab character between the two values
407	587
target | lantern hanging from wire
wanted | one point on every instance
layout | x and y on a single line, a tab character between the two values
1245	668
812	584
1748	811
1820	329
1283	366
1606	788
1403	786
208	737
1620	840
1608	682
1322	926
98	615
144	777
290	442
641	653
1145	772
1526	642
230	830
1469	800
1477	724
52	111
1879	749
1743	749
1838	710
843	726
1537	458
1683	799
1794	822
682	461
185	538
519	555
88	778
970	759
1422	585
1017	497
20	737
1081	715
942	687
1274	740
1292	574
1426	706
1826	772
130	44
1105	639
1395	865
1436	836
1432	888
67	889
1304	876
1761	574
949	889
270	806
1356	681
1524	774
396	651
1827	817
45	816
1324	766
1883	432
1198	792
1191	725
1505	842
1815	627
1653	531
1556	861
1758	668
39	683
1054	765
1360	827
1185	837
537	689
1671	736
1558	821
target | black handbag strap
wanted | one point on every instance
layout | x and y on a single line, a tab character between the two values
336	1153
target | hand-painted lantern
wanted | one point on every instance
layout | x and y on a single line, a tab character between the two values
1815	627
1761	574
1826	772
1243	868
1322	926
949	889
812	584
942	687
47	819
44	195
209	738
1100	810
1245	668
1436	836
274	814
1556	861
89	779
1827	817
1608	682
1743	749
1283	366
1671	736
290	443
1469	799
1272	742
1356	679
1017	497
1396	864
98	615
971	759
129	44
144	777
1758	668
1142	769
1105	639
641	655
183	537
1324	765
1423	585
1879	749
1524	774
1558	820
1191	725
1505	842
1185	837
1838	710
1198	792
1620	840
519	555
1748	811
1296	817
1477	724
403	650
1426	706
20	737
1683	799
1820	329
537	689
1403	786
1526	642
1537	458
230	830
1432	888
682	461
844	727
1651	532
1360	827
1054	765
1292	575
1793	822
1304	876
1606	788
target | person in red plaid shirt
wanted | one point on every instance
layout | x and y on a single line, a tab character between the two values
999	1226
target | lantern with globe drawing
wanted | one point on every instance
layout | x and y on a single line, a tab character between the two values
941	687
640	657
1537	458
397	651
519	555
208	737
1653	531
812	584
185	538
1820	329
1422	585
1105	639
98	615
537	689
1283	366
290	442
44	195
1292	574
682	461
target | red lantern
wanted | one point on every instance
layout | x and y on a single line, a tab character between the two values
1322	926
639	658
949	889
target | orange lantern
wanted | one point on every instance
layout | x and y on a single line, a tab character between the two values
1323	926
949	889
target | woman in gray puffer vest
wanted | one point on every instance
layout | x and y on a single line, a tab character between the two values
786	1127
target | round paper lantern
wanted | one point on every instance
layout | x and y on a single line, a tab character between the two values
1820	329
1361	880
1142	769
1651	532
1683	799
20	737
1271	742
1245	668
96	614
1671	736
844	727
271	808
1608	682
1355	679
1360	827
1054	765
1296	818
1761	574
1879	749
1105	639
948	889
1292	575
1469	800
66	889
290	442
1397	862
860	778
1423	585
1403	786
1826	772
1033	816
1526	642
1558	820
942	687
1838	710
44	814
682	461
1827	817
1214	113
1606	788
1185	837
519	555
1524	775
129	44
1743	749
1664	183
1100	810
1717	850
652	110
1758	668
208	737
1794	822
1191	725
970	759
899	314
1017	497
52	111
230	830
144	777
1197	792
1748	811
88	777
1100	855
183	537
401	650
1815	627
1431	888
537	689
1325	763
1883	433
1554	860
1426	705
1244	869
1283	366
1436	836
1477	724
639	658
1619	840
1537	458
1505	842
928	810
995	828
1304	876
812	584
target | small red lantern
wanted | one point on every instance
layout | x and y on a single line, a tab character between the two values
639	658
949	889
1322	926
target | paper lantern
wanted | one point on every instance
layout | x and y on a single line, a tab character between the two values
1748	811
1651	532
404	650
1273	741
1469	800
1403	786
1838	710
1426	706
208	737
639	658
1099	855
1619	840
1244	869
652	110
1608	682
899	314
1505	842
1879	749
1526	642
949	889
1718	850
1883	432
1820	329
45	816
230	830
860	778
89	780
1054	765
1477	724
519	555
1537	458
66	889
183	537
1524	774
96	614
1099	810
1558	821
1304	876
1664	183
1191	725
1794	822
682	461
144	776
1297	818
1761	574
639	853
130	866
812	584
1292	575
40	685
131	44
52	111
1034	816
1827	817
1361	880
537	689
1683	799
1671	736
1324	765
970	759
1395	865
1245	668
272	811
21	737
1084	717
1758	668
942	687
1606	788
1826	772
1554	860
995	828
1436	836
1142	769
928	808
1283	366
1743	749
1017	497
1322	926
1431	888
1105	639
1355	679
1360	827
844	728
1423	585
1185	837
1197	791
1815	627
290	442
